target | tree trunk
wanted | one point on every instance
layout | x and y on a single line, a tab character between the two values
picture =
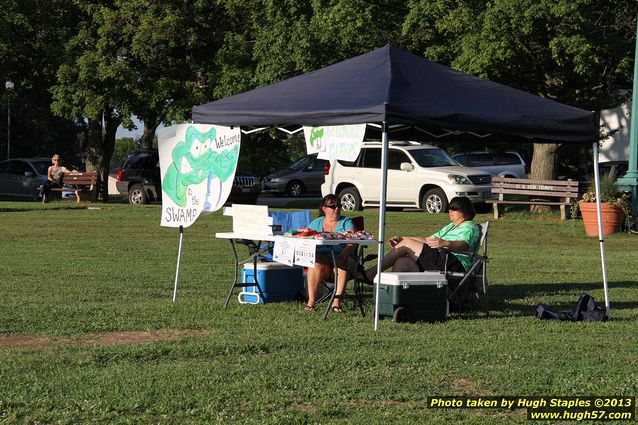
94	145
150	125
100	150
543	167
108	143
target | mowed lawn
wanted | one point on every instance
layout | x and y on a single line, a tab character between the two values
89	332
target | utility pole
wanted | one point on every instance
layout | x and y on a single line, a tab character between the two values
9	86
629	181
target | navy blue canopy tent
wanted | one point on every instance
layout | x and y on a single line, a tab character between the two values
396	87
396	92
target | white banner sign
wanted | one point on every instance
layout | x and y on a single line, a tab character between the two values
335	142
197	165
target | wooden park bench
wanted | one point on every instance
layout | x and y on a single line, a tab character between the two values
80	183
538	192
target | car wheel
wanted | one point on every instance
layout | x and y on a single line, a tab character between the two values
434	201
295	189
137	195
350	199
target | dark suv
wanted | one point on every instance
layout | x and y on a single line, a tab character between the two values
139	177
139	180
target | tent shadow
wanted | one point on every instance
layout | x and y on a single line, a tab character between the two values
550	289
542	291
499	307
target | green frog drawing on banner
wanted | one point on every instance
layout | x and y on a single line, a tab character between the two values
194	160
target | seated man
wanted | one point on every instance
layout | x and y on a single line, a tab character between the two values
414	253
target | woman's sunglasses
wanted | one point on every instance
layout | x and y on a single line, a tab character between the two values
453	209
332	206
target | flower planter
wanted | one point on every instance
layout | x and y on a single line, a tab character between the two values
613	218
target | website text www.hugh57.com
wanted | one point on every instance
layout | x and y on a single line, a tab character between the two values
567	415
548	408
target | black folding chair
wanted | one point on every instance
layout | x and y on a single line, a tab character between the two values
474	281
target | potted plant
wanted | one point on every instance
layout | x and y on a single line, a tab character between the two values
615	207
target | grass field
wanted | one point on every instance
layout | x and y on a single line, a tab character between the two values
89	333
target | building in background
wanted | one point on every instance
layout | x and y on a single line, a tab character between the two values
616	147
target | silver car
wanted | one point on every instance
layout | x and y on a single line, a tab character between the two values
21	178
505	164
305	175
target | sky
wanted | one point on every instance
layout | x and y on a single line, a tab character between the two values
122	132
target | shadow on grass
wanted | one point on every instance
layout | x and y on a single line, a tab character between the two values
499	307
47	207
525	289
539	292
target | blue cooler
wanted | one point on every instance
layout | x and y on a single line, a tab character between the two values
277	281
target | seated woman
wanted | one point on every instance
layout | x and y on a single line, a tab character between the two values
415	253
54	177
329	220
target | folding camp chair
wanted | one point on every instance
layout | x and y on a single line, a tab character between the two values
285	221
474	281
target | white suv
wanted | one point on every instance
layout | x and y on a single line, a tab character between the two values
419	176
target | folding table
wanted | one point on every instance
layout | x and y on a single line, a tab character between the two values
253	241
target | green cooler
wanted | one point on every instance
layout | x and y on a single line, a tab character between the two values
413	296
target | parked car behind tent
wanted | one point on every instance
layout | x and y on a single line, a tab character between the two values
305	175
139	180
501	164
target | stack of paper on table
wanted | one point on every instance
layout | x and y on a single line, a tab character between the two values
250	219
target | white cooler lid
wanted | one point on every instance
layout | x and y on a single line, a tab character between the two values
270	266
413	278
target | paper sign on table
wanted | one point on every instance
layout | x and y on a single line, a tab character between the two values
305	252
251	219
284	251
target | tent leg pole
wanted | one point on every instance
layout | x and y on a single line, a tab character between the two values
382	198
601	239
179	258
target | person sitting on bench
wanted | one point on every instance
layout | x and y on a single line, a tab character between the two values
418	254
54	177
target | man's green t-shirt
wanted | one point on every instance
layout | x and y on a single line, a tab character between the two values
467	232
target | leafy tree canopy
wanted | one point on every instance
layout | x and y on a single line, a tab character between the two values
578	52
31	50
575	51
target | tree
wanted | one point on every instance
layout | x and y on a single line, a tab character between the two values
31	50
578	52
269	41
167	46
91	86
123	147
